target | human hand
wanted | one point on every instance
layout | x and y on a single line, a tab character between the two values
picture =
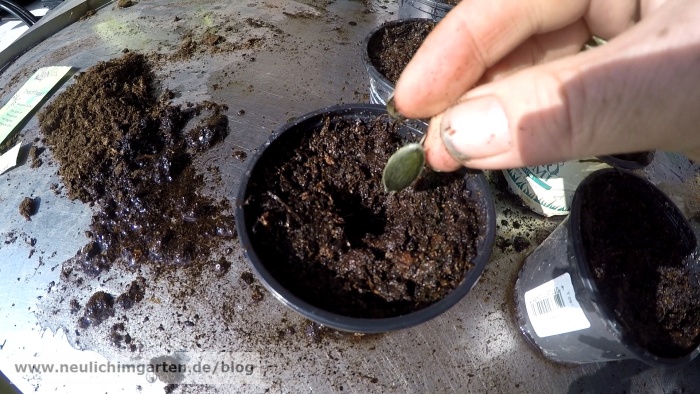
538	99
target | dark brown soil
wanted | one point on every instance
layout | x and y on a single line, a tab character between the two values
125	3
27	207
34	153
133	295
333	237
121	146
648	275
392	47
99	308
239	154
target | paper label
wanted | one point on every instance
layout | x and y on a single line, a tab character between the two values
24	101
9	158
553	309
549	189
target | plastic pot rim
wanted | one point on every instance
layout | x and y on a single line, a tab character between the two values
588	280
337	321
628	164
440	4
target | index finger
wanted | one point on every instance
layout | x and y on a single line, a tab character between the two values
475	35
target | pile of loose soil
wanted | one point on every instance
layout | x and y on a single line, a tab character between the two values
648	275
333	237
121	146
392	47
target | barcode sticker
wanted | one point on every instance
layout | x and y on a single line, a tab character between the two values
553	309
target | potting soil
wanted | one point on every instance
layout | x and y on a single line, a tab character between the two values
332	235
122	147
392	47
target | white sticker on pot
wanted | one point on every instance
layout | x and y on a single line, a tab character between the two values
553	309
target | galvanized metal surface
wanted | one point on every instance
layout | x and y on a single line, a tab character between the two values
309	58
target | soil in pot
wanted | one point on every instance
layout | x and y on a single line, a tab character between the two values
648	276
392	47
333	237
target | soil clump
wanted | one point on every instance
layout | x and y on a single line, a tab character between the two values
27	207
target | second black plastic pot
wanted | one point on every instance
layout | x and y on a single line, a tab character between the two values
477	189
559	306
380	88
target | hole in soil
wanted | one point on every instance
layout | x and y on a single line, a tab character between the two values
360	220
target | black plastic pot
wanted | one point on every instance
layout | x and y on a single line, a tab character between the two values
631	161
380	88
476	185
434	10
591	330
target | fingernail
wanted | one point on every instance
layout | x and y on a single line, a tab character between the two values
391	108
476	129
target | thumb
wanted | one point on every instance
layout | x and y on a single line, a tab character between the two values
638	92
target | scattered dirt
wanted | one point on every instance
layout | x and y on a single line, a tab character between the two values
260	23
56	188
125	3
133	295
392	47
122	147
88	15
28	207
192	44
520	243
646	272
34	153
239	154
333	236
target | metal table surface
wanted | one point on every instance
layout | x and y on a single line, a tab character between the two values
309	58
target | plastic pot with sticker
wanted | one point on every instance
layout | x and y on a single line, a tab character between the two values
619	278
